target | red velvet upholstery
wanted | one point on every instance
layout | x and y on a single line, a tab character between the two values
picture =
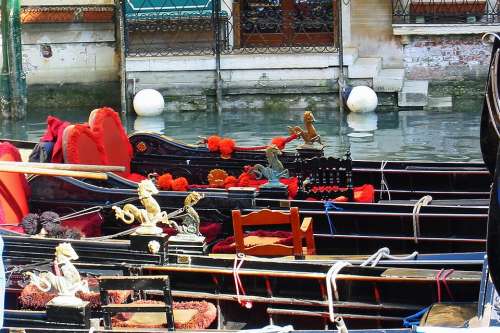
89	224
80	146
107	127
14	189
54	133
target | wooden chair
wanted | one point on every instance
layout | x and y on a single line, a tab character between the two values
269	217
137	284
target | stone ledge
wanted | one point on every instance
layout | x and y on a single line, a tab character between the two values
443	29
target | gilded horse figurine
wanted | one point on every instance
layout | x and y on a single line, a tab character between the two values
309	135
66	283
190	224
147	217
274	170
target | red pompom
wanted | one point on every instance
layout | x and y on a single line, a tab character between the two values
180	184
165	182
244	179
280	142
230	181
213	143
226	147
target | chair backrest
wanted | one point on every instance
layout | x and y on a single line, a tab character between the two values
136	283
323	172
268	217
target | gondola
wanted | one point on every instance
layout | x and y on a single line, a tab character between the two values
367	297
359	228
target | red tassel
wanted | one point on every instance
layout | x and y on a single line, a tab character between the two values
226	147
180	184
230	181
280	142
165	182
213	143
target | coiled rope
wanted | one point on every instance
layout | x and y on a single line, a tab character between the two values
385	253
384	186
424	201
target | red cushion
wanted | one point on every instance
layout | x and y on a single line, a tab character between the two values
80	146
89	224
14	190
108	129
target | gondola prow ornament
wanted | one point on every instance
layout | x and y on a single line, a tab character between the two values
67	280
309	134
148	217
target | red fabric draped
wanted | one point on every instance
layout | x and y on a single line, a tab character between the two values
54	133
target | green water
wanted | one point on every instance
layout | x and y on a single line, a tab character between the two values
404	135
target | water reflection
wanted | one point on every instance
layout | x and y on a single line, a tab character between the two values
405	135
149	124
362	124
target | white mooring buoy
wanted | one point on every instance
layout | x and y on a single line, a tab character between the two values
148	103
361	99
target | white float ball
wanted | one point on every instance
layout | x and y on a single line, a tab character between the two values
362	99
148	103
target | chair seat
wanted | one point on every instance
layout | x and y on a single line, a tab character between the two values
255	238
187	315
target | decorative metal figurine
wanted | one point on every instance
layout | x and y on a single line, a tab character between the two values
190	225
274	171
66	283
309	135
148	217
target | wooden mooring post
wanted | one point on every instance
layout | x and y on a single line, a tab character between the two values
13	97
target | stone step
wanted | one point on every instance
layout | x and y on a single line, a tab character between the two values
389	80
443	102
414	93
364	68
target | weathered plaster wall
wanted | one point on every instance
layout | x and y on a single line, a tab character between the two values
371	31
446	57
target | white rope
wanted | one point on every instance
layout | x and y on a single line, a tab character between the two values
385	253
339	322
424	201
123	233
383	181
331	283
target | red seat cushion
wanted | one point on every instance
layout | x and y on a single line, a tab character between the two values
80	146
108	129
14	190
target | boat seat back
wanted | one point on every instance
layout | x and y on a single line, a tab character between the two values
14	189
327	178
270	217
106	125
80	146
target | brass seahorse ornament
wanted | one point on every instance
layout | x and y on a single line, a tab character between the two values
309	135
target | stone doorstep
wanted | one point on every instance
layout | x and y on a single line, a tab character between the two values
365	68
389	80
440	102
414	93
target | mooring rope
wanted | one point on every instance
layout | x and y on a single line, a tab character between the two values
329	206
424	201
385	253
384	186
237	281
331	285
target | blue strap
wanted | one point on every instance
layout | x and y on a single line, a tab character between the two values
328	206
414	319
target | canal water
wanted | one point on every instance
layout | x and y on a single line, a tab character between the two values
403	135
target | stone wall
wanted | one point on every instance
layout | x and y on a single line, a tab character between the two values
371	31
454	57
